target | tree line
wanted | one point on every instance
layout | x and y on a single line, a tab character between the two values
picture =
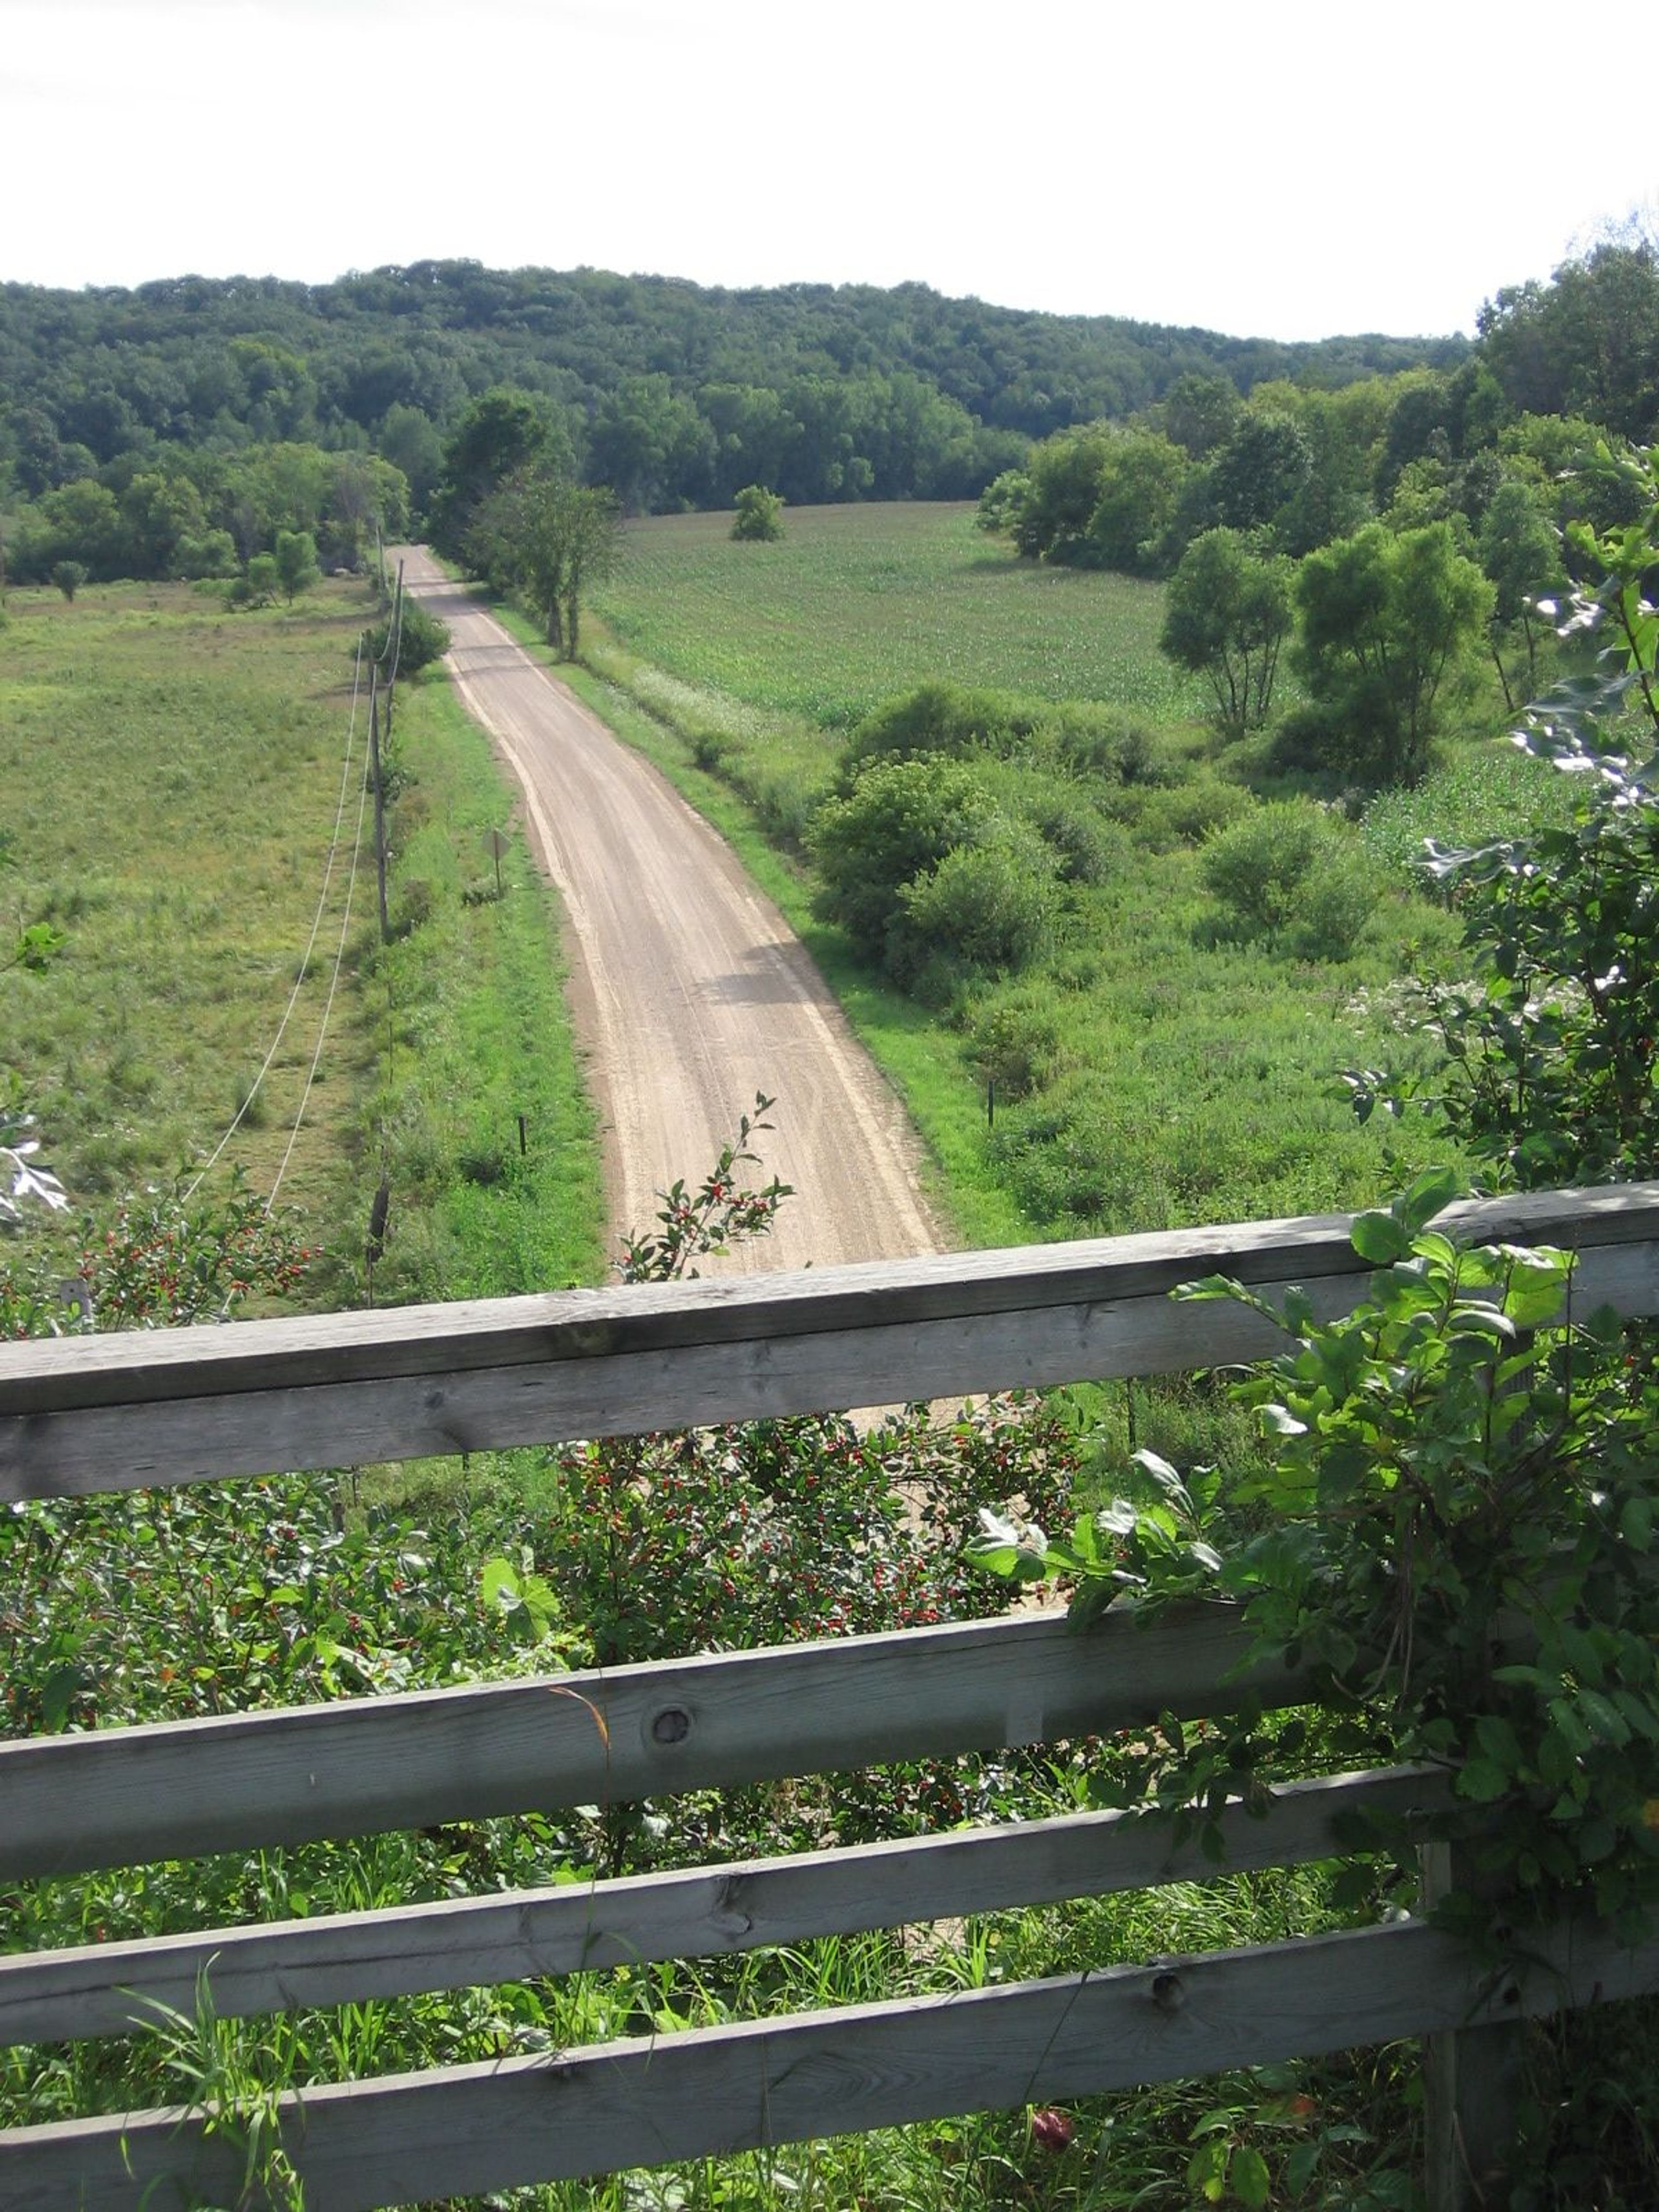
177	428
673	393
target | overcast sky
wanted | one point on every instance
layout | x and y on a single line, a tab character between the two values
1291	168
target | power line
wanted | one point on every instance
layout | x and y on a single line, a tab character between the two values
316	924
328	1004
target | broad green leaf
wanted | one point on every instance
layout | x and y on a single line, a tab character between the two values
1604	1717
1277	1420
1483	1781
1247	2178
1570	1728
1429	1194
1162	1474
1498	1740
1379	1239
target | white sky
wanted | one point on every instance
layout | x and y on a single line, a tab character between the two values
1291	168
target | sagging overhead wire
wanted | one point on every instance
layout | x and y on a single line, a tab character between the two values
316	924
333	986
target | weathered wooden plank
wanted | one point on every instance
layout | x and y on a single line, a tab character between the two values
463	2130
115	1413
101	1988
183	1788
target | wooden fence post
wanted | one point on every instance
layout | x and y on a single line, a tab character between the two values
1472	2083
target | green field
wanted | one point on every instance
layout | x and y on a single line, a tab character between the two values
172	780
1159	1068
855	602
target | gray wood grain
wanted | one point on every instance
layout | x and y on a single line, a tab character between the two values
101	1988
467	2130
119	1411
179	1789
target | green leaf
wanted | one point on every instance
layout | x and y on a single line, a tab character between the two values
1482	1781
1570	1728
1277	1420
1379	1239
1429	1193
1478	1321
1636	1523
1162	1474
1498	1740
1247	2178
1300	2164
1604	1717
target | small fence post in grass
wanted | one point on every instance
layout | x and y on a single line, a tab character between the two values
1472	2083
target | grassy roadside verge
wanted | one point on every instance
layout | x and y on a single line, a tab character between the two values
480	1122
945	1105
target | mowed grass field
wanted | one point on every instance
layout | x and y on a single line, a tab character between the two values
855	602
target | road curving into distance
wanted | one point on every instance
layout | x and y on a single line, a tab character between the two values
690	991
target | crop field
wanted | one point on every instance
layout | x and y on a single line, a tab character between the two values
855	602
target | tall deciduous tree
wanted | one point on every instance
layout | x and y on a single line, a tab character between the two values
1226	618
1388	625
502	433
549	538
296	562
1521	552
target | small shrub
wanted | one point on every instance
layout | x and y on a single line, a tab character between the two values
1256	867
422	639
1088	847
759	517
416	903
942	717
1290	871
1335	905
1188	813
988	908
900	820
1017	1043
1096	739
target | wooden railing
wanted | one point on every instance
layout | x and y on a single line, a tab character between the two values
113	1413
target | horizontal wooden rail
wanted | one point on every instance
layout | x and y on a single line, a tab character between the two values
118	1411
181	1788
467	2130
105	1989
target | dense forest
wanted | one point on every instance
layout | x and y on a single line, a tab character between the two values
181	429
673	394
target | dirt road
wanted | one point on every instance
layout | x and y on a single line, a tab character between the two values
691	992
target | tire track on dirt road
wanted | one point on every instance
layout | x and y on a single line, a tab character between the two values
691	992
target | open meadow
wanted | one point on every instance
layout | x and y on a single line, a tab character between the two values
1167	1060
184	792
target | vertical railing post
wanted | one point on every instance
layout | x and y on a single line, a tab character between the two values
1472	2083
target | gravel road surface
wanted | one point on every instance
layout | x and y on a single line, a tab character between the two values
691	993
